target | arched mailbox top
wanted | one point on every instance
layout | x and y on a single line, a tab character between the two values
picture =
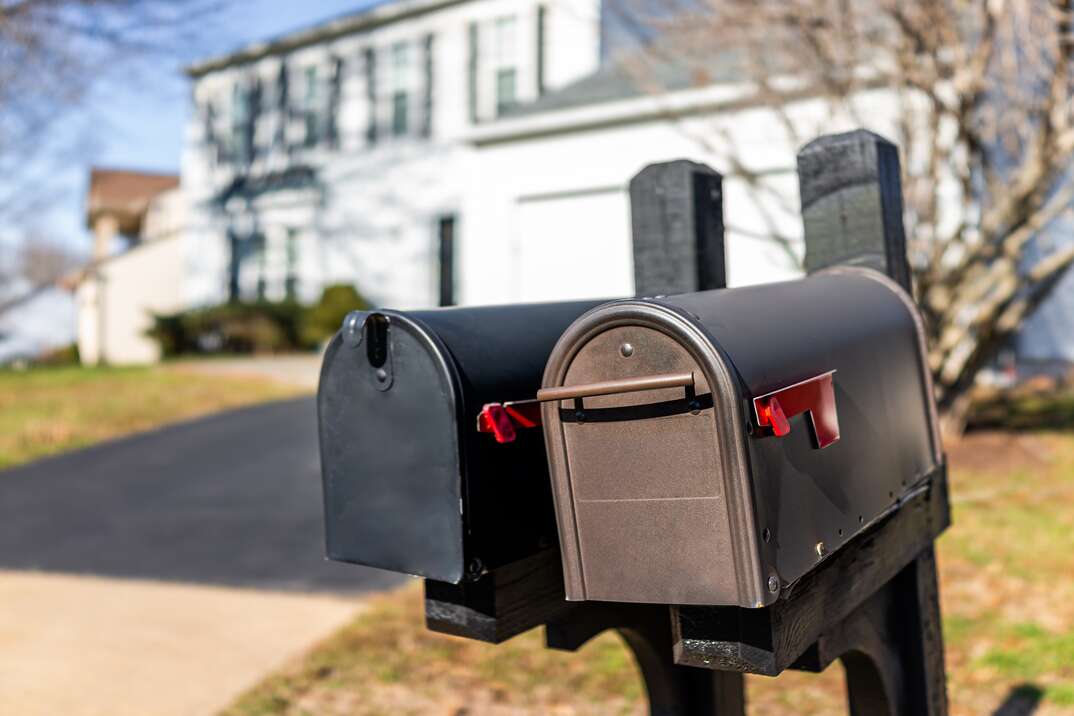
771	491
409	484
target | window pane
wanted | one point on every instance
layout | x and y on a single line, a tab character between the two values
505	41
312	107
400	66
505	90
399	113
240	112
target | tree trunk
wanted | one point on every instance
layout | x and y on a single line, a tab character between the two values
954	417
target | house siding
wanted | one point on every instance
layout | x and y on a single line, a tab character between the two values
363	202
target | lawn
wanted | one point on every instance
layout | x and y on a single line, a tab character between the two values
1007	574
44	411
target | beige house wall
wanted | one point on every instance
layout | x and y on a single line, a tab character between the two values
119	294
117	303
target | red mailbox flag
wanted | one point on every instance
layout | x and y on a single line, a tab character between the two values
815	396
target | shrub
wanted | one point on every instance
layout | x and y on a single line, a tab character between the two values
324	318
65	355
257	327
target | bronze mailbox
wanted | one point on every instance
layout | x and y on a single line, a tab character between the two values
712	448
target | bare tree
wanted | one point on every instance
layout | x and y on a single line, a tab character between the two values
53	54
41	261
980	94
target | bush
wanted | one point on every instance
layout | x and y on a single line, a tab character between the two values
324	318
63	356
255	327
258	327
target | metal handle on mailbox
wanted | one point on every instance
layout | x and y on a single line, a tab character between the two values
502	419
611	387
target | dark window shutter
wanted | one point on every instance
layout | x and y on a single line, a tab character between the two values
542	36
253	113
371	94
283	104
334	95
427	87
471	71
211	143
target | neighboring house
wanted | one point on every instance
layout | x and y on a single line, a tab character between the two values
137	265
337	154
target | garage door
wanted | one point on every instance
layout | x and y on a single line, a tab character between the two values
573	245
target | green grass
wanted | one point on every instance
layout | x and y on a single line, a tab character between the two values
1007	585
44	411
386	651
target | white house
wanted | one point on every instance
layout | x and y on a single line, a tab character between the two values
552	180
434	152
337	154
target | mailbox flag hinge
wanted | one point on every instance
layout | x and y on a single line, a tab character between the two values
504	419
815	396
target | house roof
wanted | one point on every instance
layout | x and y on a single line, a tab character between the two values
648	70
124	194
376	13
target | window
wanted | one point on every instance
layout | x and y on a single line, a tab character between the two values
311	107
291	281
240	117
505	58
400	86
505	90
262	266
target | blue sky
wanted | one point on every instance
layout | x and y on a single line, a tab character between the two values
137	122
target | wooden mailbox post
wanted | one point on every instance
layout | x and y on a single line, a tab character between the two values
873	604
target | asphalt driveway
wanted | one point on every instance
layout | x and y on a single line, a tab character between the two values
232	499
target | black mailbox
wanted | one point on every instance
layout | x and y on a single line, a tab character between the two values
711	448
409	483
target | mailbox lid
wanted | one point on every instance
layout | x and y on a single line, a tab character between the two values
390	457
409	484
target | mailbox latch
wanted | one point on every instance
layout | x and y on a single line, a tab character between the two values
815	396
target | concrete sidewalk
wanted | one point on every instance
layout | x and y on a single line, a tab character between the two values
151	522
87	646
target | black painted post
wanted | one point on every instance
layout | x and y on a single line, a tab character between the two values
852	204
852	215
676	211
677	223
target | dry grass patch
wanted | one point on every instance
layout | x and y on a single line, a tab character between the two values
44	411
1007	584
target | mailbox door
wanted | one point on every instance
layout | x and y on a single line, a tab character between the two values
649	484
390	458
